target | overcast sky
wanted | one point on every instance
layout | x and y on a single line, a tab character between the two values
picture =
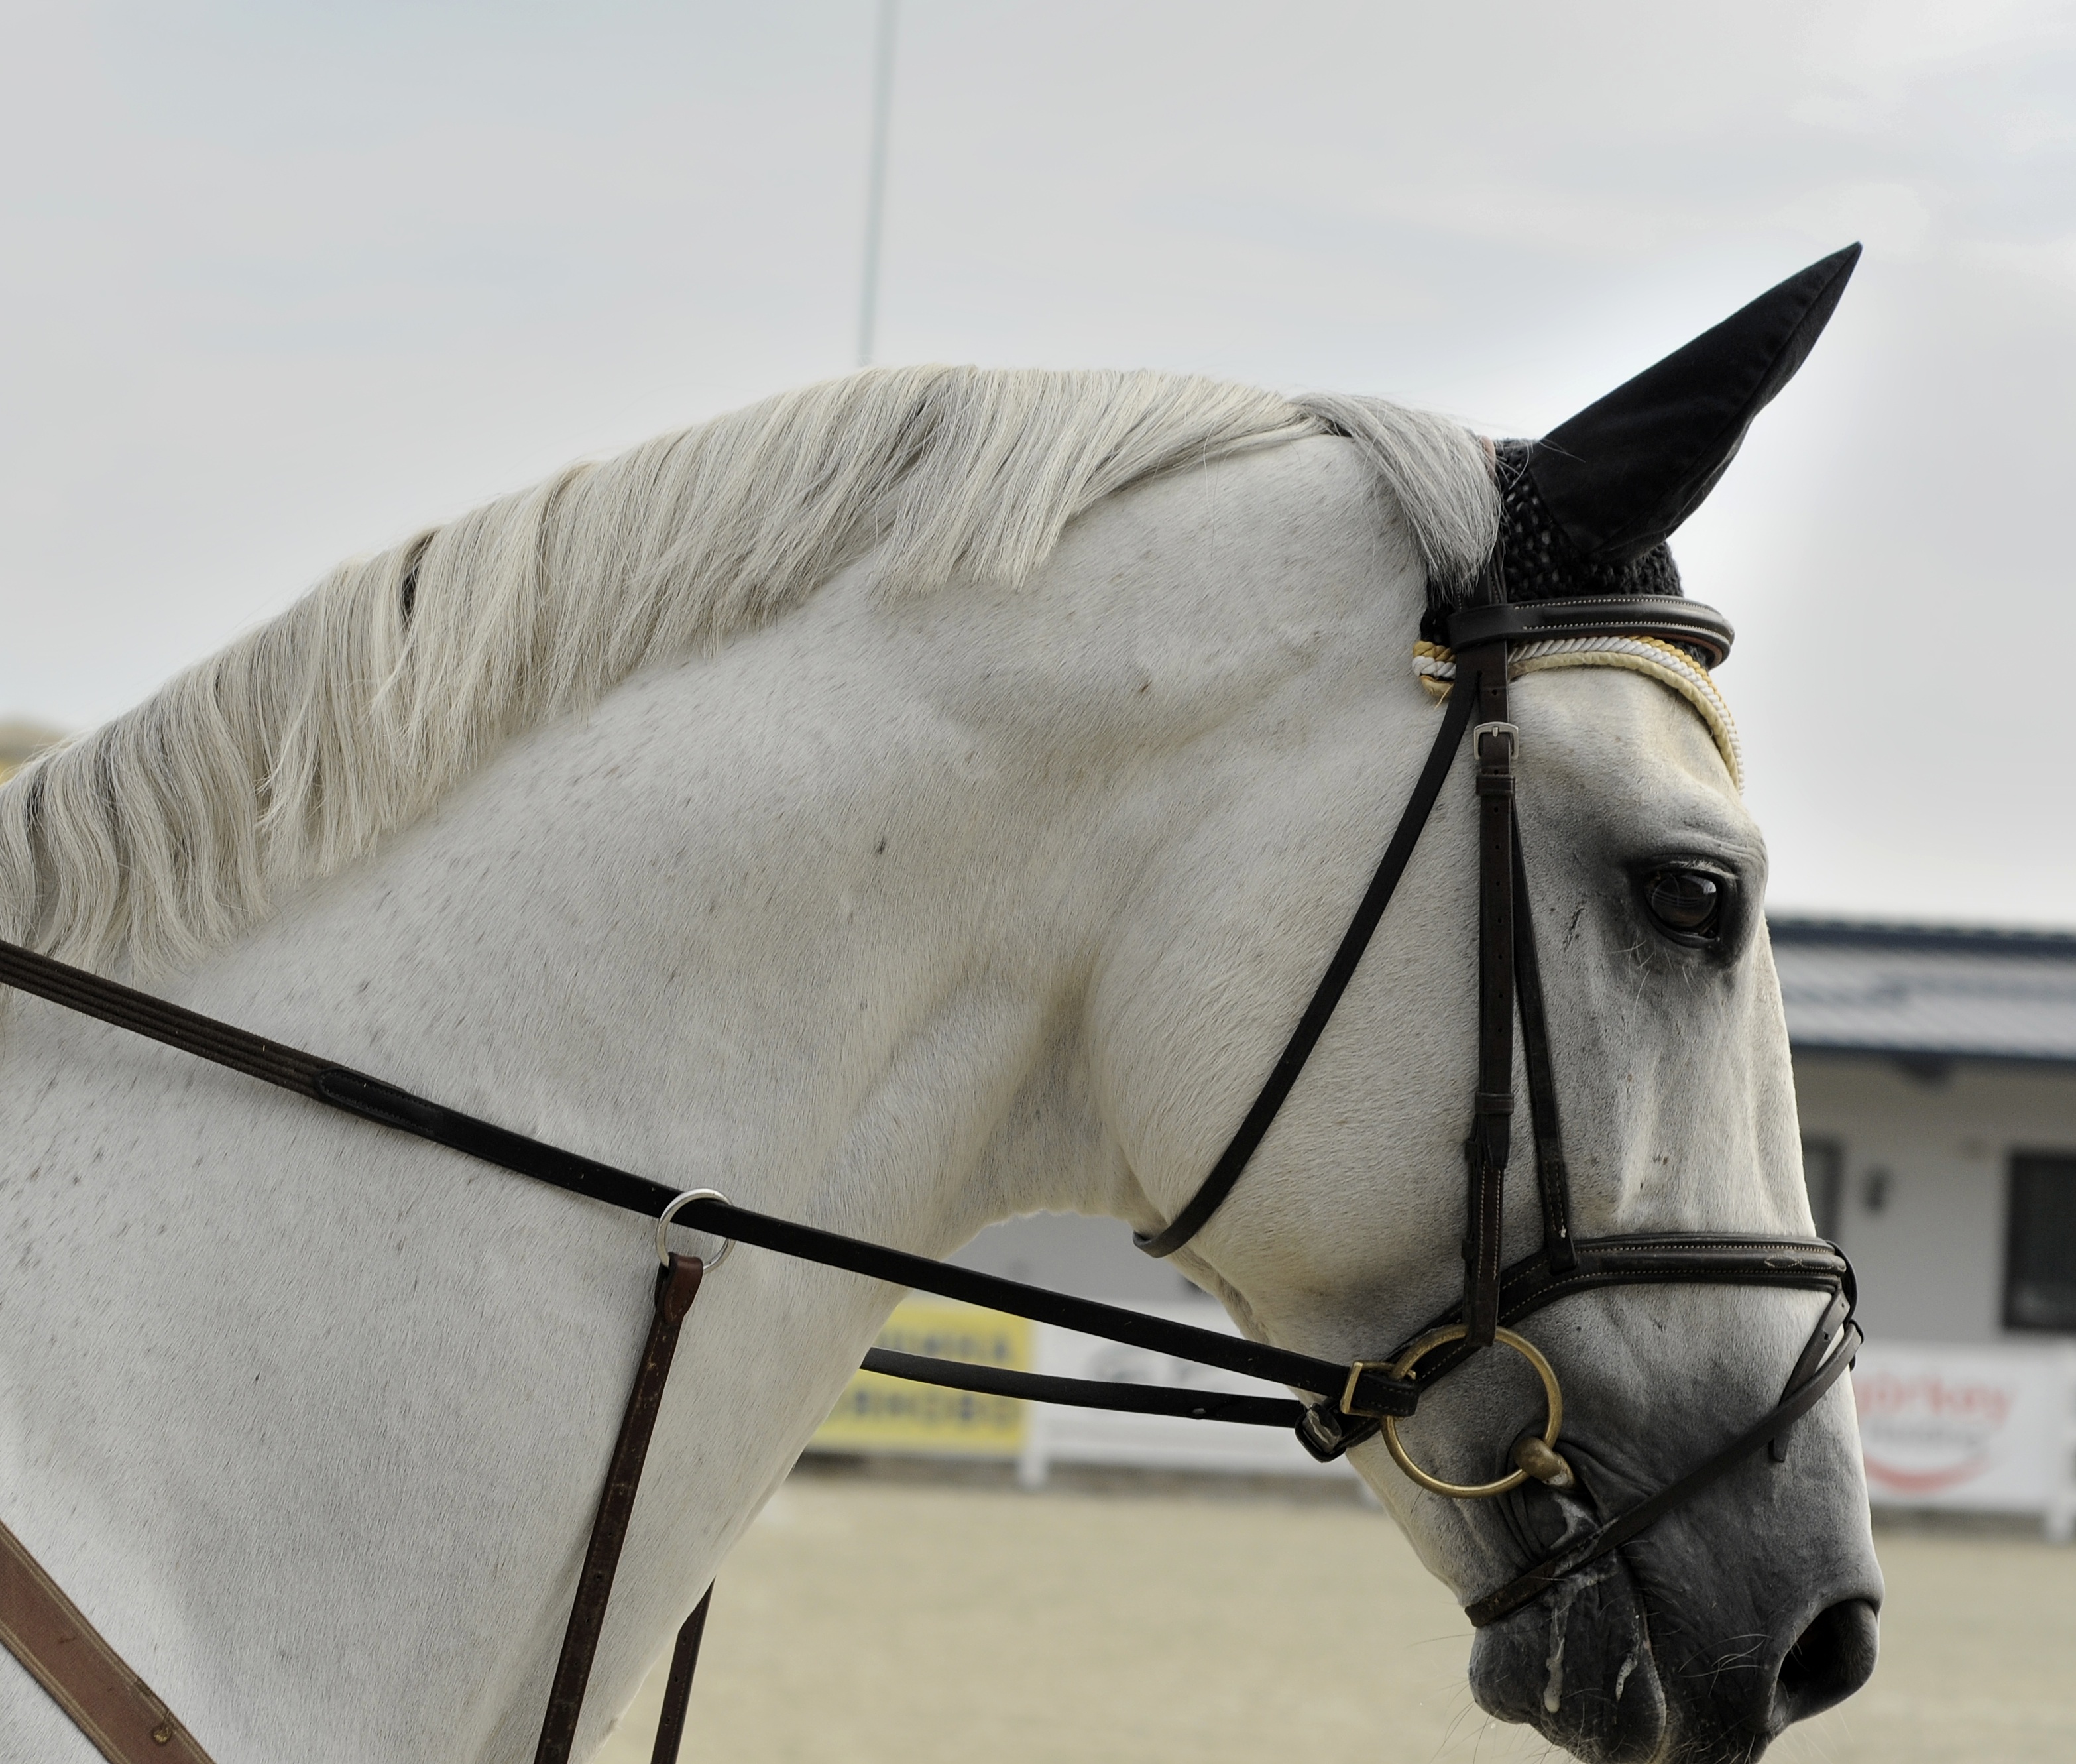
280	281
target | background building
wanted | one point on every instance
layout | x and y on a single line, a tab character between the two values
1936	1073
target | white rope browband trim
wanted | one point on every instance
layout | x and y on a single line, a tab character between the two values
1664	662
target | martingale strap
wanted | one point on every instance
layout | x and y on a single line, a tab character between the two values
677	1285
84	1676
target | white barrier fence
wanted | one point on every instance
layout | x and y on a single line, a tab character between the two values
1981	1430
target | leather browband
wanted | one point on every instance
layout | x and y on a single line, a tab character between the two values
1671	619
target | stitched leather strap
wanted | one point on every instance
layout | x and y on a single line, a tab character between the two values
676	1287
1089	1393
1481	673
1553	1179
1663	1259
85	1677
1671	619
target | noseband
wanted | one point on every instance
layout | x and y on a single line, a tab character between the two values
1352	1403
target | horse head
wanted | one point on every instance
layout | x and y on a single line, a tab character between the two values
1752	1604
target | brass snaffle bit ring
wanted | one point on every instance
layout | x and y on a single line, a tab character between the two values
1402	1367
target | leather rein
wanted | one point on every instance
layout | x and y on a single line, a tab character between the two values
1349	1403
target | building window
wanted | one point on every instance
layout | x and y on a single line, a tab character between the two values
1823	1169
2039	1262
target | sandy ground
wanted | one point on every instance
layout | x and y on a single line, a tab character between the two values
871	1620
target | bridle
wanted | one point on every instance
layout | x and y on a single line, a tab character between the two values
1509	980
1349	1403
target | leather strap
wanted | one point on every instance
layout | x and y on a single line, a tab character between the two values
85	1677
1089	1393
1837	1315
1796	1403
1553	1180
678	1687
1669	618
676	1287
372	1099
1482	673
1312	1023
1646	1259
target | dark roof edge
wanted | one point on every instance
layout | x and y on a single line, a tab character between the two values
1878	1050
1959	940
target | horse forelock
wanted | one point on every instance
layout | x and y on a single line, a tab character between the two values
294	750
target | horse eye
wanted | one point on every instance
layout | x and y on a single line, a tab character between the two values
1687	902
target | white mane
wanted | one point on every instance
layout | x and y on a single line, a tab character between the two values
291	751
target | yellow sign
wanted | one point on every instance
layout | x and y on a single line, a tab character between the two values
877	1414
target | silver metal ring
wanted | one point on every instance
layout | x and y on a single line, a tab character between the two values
670	1212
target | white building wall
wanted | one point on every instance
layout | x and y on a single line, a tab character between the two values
1926	1175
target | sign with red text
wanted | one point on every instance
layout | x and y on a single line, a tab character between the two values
1987	1428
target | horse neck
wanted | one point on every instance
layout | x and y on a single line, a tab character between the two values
612	939
812	922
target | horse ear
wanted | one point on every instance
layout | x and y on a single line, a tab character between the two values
1623	473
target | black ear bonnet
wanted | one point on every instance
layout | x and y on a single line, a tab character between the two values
1586	510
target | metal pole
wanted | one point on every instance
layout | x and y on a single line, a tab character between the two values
875	188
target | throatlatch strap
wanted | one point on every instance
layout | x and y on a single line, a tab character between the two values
1482	672
1232	1161
676	1287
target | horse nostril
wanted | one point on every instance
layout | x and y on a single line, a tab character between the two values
1830	1660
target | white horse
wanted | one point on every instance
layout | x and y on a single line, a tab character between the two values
910	803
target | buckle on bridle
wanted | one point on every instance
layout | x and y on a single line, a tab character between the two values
1356	1369
1479	731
